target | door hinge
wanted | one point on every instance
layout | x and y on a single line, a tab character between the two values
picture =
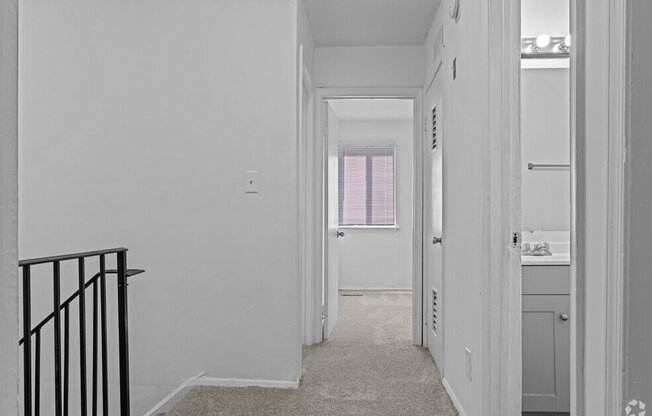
516	240
425	126
324	311
325	130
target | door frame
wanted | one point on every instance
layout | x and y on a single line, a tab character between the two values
316	203
502	325
598	186
305	146
598	126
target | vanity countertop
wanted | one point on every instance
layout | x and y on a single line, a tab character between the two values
561	259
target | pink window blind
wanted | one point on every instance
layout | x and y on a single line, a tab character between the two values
367	185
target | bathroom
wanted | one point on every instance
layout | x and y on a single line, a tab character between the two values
545	206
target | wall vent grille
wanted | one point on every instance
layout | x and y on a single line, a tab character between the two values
435	310
435	133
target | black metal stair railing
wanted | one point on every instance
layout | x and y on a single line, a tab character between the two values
32	386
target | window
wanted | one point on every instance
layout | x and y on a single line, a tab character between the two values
366	186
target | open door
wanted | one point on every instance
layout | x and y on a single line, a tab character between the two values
331	272
433	197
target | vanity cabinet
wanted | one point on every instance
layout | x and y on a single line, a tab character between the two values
546	338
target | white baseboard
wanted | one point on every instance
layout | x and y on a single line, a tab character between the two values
241	382
157	409
451	394
374	289
200	380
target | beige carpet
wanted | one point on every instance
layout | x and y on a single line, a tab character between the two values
367	367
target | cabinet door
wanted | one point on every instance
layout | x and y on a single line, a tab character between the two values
546	353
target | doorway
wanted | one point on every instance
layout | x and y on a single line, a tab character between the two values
373	240
545	207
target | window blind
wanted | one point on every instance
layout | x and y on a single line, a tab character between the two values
366	185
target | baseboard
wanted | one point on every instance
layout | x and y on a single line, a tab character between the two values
374	289
168	402
171	398
241	382
451	394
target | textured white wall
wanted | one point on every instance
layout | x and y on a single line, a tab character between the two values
465	220
375	66
306	39
381	258
545	138
138	121
8	207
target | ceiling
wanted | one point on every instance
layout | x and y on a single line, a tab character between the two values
370	22
376	109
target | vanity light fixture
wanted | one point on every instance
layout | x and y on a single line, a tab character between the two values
564	46
543	41
545	46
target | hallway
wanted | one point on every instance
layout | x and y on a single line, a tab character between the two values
367	367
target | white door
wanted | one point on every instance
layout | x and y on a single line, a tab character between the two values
331	281
433	195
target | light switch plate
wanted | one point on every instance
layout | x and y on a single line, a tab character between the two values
251	182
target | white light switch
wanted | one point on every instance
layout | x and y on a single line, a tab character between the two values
251	185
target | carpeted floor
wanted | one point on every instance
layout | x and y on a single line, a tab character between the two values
367	367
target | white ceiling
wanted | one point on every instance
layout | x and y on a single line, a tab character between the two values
377	109
371	22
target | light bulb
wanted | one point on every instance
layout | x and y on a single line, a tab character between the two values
543	41
567	41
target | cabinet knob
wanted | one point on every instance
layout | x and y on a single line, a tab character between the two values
564	317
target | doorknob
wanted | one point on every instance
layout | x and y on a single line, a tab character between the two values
564	317
436	240
340	234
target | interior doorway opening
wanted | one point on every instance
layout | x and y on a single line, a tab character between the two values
368	190
370	201
546	201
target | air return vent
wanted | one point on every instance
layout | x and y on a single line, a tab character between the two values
435	133
435	310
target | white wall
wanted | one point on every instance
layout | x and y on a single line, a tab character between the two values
465	140
138	121
8	207
306	38
381	258
545	122
545	139
551	17
374	66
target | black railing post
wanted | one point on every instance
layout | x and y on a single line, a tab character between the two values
95	332
57	336
123	335
82	336
27	345
105	358
66	359
37	375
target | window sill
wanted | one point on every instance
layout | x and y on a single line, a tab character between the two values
370	227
